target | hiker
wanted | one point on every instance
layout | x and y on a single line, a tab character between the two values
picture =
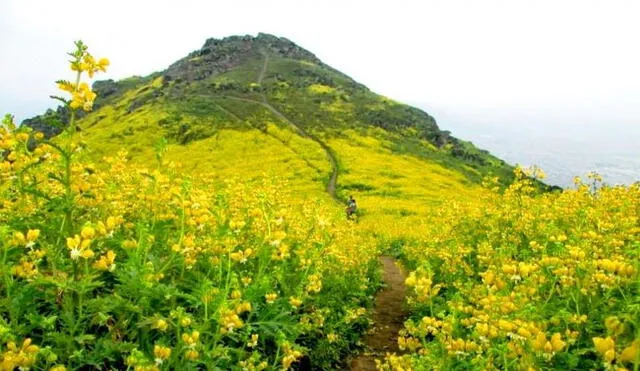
351	207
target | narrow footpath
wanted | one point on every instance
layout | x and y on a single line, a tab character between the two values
333	160
388	318
388	312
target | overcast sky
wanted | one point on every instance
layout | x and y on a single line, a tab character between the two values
513	62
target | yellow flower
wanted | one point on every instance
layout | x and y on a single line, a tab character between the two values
191	339
88	233
22	137
557	343
79	248
332	337
253	342
32	235
106	262
19	239
631	353
192	355
82	97
85	244
161	353
610	355
102	64
230	321
73	242
604	345
271	298
540	341
25	269
160	325
23	357
112	223
411	280
295	302
236	294
614	325
315	284
87	253
243	307
290	355
488	277
90	66
524	332
241	256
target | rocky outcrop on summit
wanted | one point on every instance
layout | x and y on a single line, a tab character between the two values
220	55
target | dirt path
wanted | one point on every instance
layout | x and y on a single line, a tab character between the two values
388	317
264	68
333	178
333	160
282	141
388	313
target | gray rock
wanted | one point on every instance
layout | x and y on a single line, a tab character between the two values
220	55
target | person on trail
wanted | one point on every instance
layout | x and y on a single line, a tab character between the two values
351	207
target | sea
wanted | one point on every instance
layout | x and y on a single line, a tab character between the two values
562	150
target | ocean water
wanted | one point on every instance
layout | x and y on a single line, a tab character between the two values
563	151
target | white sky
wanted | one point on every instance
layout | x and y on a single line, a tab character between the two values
558	56
537	62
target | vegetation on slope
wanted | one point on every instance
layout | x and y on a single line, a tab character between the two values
211	241
119	265
222	86
523	280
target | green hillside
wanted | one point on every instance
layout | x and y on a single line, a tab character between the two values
248	105
194	219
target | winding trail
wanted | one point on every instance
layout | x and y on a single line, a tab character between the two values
284	142
264	68
388	312
333	178
388	318
331	156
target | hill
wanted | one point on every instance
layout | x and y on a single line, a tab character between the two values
198	209
245	105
